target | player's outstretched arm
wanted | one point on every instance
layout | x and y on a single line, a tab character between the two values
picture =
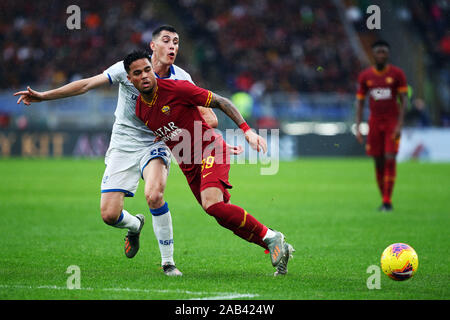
403	102
211	119
71	89
254	140
359	113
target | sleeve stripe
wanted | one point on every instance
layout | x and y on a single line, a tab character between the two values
360	96
208	100
402	89
109	77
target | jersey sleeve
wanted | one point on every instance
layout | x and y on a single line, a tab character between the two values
141	111
362	87
138	109
116	73
402	85
195	96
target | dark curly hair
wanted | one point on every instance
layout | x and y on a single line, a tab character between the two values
133	56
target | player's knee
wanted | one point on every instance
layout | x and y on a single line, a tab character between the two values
210	197
109	214
208	207
207	203
205	206
155	198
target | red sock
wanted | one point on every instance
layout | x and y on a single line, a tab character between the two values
239	221
389	179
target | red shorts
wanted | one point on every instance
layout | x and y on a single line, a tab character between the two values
210	173
380	140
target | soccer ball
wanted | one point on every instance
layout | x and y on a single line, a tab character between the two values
399	261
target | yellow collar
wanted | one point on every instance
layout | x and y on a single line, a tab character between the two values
381	72
155	96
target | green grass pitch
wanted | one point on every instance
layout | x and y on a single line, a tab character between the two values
50	220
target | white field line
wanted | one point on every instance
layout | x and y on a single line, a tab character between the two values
229	296
217	295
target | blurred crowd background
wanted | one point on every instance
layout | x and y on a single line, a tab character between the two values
293	59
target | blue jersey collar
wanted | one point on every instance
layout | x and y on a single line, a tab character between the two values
172	72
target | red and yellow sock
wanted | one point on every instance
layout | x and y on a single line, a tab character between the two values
239	221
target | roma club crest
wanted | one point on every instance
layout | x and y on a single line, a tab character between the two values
165	110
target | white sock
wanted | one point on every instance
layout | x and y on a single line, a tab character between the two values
162	226
128	221
269	234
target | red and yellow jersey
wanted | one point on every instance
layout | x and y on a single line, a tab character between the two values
173	115
382	87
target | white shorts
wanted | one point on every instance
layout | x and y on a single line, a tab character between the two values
124	169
